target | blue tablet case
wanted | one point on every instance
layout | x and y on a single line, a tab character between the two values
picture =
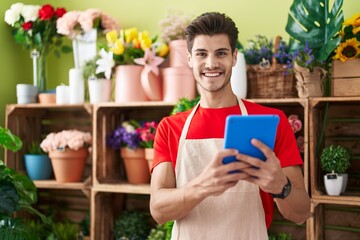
239	130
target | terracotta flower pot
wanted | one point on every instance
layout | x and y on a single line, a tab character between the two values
136	166
69	165
149	156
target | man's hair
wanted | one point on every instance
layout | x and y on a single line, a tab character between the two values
212	23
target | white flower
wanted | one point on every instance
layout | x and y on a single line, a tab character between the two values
128	127
105	63
30	12
16	7
11	17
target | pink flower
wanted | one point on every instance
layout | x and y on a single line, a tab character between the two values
295	123
109	23
87	18
66	24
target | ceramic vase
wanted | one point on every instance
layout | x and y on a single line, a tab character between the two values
178	53
238	77
178	82
136	166
38	166
128	86
68	165
26	93
333	184
99	90
84	46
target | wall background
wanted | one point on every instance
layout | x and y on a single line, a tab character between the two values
252	17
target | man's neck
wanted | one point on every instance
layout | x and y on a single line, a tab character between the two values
209	100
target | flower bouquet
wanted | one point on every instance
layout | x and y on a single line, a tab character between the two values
34	27
68	151
82	27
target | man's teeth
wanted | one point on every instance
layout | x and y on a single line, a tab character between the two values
212	74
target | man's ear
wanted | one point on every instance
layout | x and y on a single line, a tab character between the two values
189	60
235	53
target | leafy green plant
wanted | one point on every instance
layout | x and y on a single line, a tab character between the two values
184	104
158	233
311	21
35	148
85	224
64	231
281	236
17	192
131	225
335	159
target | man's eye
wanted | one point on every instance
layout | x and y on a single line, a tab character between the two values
201	54
221	53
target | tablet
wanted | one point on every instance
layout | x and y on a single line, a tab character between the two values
239	130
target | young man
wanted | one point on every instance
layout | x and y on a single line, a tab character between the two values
189	182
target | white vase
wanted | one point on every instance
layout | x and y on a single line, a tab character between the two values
84	47
238	77
333	185
345	181
99	90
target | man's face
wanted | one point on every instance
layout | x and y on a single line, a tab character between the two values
212	60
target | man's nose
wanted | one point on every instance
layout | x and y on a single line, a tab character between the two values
211	62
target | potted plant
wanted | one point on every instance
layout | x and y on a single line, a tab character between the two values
131	225
147	135
335	160
68	151
37	163
17	192
98	72
64	231
126	137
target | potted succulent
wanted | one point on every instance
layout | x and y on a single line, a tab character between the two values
126	137
68	151
98	71
335	160
37	163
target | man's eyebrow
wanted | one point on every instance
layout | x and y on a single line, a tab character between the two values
217	50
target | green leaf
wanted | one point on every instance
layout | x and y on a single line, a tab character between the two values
8	198
66	49
311	21
9	140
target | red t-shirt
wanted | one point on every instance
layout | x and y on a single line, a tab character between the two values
210	123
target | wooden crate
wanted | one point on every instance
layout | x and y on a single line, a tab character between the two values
108	167
107	206
338	120
345	78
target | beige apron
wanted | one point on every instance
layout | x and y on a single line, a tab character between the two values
236	214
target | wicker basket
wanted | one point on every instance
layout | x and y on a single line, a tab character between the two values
274	81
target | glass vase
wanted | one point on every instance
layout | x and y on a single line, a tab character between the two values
39	70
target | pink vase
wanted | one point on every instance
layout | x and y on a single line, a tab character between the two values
178	53
128	84
178	82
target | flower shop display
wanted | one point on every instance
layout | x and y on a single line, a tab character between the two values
346	61
135	82
68	151
267	72
127	138
317	25
98	72
83	27
34	27
309	73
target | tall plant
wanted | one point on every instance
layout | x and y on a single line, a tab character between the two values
312	22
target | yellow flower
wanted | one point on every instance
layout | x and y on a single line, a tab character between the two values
131	34
118	47
136	43
354	20
162	50
347	50
145	43
111	36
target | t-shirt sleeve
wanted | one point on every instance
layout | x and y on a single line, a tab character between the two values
161	144
286	148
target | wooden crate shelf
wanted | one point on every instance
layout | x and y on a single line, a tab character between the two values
333	121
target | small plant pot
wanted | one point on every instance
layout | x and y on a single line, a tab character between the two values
333	184
47	98
38	166
69	164
149	155
136	166
26	93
